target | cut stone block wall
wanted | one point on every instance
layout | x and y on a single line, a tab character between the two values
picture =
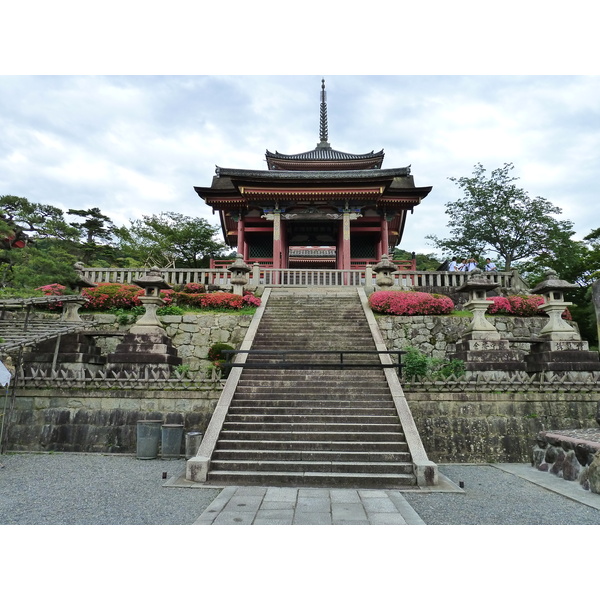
102	420
437	335
192	334
495	427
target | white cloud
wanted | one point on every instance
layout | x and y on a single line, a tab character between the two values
138	145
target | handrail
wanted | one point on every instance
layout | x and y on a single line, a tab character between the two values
314	365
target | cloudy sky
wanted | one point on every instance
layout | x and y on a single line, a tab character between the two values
136	145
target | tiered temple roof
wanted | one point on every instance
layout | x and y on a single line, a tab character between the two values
322	176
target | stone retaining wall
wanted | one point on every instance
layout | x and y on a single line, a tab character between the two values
495	427
192	334
455	426
103	420
437	335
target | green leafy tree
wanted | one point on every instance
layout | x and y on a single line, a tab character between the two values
35	219
425	262
95	228
170	239
496	216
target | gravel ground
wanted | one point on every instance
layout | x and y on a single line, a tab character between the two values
95	489
493	497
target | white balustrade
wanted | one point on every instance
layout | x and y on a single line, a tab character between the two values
299	277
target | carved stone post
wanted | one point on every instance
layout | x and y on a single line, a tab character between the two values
561	348
239	274
384	270
553	290
481	347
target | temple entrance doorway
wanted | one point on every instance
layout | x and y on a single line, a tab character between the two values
312	257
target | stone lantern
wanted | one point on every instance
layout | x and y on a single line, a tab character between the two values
384	270
239	274
146	347
73	305
152	283
560	347
477	287
553	290
480	345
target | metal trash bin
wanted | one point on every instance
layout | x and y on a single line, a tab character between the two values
193	439
148	438
172	436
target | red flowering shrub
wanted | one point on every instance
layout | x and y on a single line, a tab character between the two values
216	300
520	306
112	295
410	303
167	297
194	288
250	299
53	289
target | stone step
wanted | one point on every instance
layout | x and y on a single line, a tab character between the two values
291	377
310	405
368	375
314	435
313	466
317	398
310	455
306	445
251	415
312	479
299	426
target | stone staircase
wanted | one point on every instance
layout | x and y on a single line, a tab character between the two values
312	426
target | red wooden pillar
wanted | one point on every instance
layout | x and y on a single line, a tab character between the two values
345	249
277	246
385	242
241	240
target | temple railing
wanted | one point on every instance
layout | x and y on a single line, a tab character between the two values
306	277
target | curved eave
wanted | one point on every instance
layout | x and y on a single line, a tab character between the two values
249	176
403	197
323	153
324	165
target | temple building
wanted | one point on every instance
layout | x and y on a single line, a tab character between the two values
317	209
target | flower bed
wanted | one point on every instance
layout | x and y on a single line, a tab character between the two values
410	303
119	296
520	306
216	300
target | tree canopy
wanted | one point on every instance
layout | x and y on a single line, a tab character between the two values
496	216
170	239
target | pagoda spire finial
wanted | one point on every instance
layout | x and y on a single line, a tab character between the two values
323	133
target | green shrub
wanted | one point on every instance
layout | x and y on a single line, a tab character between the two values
215	352
217	357
417	365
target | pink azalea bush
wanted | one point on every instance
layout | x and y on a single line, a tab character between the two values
194	288
520	306
410	303
216	300
107	296
53	289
